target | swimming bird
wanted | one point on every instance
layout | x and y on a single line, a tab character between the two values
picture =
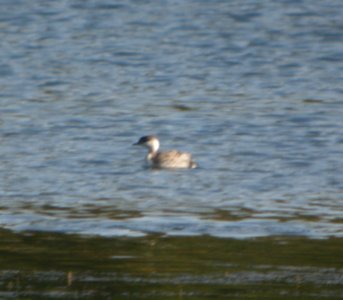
165	160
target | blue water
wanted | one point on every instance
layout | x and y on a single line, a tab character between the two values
252	88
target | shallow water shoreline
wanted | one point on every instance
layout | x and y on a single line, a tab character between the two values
47	265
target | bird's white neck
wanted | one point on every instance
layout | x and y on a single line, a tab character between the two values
153	146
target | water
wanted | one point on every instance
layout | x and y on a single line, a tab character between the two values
253	89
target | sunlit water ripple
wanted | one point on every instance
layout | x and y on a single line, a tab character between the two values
253	90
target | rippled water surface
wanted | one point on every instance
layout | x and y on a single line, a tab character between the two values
252	88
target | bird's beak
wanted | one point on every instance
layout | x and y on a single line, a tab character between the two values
135	144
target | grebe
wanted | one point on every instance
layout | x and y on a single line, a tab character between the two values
169	159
